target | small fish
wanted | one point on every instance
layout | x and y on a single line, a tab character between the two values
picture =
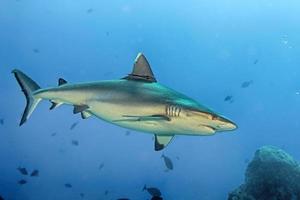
35	173
228	98
82	195
53	134
75	142
106	192
22	170
22	182
36	50
168	162
107	33
90	10
2	121
68	185
123	199
255	62
156	198
127	133
152	191
74	125
246	84
101	166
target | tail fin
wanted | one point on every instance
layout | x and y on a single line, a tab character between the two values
28	86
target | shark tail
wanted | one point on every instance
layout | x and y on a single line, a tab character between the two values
28	86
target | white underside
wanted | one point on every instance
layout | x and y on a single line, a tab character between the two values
115	114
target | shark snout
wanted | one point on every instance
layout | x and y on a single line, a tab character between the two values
225	124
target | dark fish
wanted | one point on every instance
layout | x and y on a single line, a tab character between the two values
255	62
82	195
75	142
22	182
1	121
127	133
156	198
106	192
53	134
246	84
74	125
35	173
36	50
101	166
23	170
228	98
152	191
68	185
1	198
90	10
168	162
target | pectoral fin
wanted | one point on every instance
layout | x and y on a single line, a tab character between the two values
161	141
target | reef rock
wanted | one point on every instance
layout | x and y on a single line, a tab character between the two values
271	175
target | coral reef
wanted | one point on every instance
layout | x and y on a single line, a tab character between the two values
271	175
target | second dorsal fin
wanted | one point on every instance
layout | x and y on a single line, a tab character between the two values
61	81
141	70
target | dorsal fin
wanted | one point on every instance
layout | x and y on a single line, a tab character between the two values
61	81
141	70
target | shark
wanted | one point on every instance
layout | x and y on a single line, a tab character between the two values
136	101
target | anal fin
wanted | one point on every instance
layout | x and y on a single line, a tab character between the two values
161	141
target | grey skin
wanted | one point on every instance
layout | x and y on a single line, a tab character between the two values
136	102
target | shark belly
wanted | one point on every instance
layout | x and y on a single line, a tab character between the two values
120	115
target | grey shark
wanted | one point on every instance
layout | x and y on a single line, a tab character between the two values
136	102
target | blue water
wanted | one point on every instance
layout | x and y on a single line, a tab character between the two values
204	49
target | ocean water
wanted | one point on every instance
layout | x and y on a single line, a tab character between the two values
204	49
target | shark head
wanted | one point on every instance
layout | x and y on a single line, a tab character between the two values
206	121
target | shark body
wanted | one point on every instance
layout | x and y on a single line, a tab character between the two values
136	101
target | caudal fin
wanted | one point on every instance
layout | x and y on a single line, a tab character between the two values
28	86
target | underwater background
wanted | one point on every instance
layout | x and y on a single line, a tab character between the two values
240	58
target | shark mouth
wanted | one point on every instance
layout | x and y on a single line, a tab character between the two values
209	128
